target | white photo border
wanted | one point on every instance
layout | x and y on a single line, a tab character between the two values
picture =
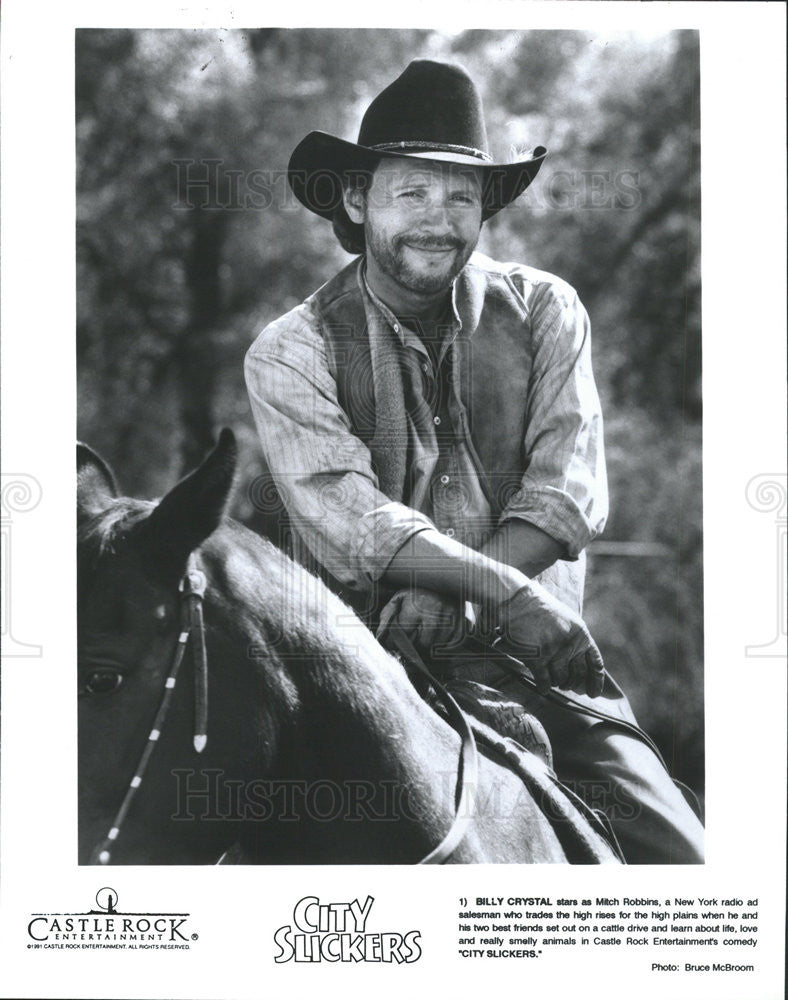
236	910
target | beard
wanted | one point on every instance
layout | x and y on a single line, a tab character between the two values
401	258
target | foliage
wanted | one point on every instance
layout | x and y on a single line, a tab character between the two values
647	612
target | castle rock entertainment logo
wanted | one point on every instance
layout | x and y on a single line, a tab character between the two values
110	928
337	932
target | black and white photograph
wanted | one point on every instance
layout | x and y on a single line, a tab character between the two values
428	508
425	432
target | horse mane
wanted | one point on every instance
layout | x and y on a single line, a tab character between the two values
102	534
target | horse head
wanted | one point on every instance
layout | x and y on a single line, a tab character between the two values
132	556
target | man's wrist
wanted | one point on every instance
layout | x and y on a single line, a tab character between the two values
519	543
504	582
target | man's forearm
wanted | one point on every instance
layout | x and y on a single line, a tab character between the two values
432	561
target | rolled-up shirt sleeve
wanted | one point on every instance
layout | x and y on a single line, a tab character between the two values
564	488
323	472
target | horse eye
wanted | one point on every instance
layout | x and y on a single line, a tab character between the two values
103	682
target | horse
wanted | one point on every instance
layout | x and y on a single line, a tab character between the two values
312	744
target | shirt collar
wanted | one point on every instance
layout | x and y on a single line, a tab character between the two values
389	316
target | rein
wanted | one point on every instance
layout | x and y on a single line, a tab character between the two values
192	588
468	771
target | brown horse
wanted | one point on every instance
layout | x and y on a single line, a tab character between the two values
319	750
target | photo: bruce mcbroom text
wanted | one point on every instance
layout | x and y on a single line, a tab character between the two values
720	931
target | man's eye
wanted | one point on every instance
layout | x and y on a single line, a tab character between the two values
412	195
102	682
462	199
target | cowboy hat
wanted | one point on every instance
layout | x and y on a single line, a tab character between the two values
433	111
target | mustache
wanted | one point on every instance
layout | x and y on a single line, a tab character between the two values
431	242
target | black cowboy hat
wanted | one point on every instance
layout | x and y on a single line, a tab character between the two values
431	111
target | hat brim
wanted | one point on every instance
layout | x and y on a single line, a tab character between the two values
320	162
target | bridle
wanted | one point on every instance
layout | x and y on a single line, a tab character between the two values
192	589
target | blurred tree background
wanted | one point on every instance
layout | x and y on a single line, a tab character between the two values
189	242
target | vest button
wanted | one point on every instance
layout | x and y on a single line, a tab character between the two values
445	480
436	421
449	532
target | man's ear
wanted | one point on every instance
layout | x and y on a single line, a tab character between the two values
354	200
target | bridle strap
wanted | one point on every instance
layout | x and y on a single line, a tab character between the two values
468	772
192	587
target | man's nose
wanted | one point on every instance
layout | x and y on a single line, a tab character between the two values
437	216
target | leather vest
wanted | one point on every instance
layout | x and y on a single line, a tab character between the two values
493	366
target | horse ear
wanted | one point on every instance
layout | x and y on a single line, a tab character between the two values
193	509
96	484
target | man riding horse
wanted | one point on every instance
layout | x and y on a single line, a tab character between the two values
431	421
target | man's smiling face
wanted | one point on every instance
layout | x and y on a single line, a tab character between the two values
421	221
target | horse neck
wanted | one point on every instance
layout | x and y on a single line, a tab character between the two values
372	766
383	762
380	766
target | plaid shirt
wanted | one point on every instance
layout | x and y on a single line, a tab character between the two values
324	472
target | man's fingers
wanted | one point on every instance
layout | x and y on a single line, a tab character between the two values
595	671
585	670
561	670
564	655
542	677
577	673
387	615
438	626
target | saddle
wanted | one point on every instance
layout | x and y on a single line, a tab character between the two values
503	716
519	742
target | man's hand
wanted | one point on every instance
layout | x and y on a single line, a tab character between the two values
551	639
430	620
